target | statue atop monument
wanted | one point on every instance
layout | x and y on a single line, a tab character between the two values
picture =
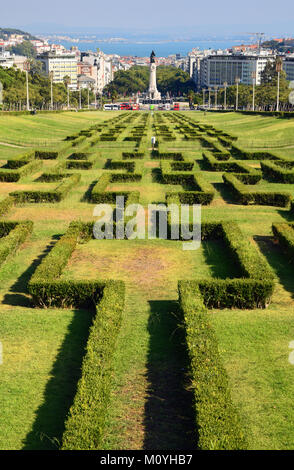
153	93
152	55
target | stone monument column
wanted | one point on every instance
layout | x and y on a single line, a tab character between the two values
153	93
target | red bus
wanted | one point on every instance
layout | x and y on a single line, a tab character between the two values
176	106
135	107
125	106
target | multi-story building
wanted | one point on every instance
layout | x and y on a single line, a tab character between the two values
216	69
288	67
102	68
61	65
6	59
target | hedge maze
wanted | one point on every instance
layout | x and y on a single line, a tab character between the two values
192	163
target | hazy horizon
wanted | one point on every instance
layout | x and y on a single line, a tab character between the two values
165	18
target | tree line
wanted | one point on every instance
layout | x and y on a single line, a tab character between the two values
14	89
170	80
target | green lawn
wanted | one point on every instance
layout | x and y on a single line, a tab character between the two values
46	129
150	406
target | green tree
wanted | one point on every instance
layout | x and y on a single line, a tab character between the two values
25	48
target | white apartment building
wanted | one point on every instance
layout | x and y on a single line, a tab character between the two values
216	69
61	65
6	59
102	70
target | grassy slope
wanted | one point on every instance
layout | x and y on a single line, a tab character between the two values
45	129
149	359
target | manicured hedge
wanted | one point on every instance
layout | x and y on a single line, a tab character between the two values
284	233
85	424
84	428
78	164
202	192
251	262
5	205
46	155
246	196
15	175
99	195
13	234
130	155
273	172
249	175
256	281
237	152
55	195
79	140
176	156
120	165
79	156
218	425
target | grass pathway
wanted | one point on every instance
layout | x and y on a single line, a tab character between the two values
150	408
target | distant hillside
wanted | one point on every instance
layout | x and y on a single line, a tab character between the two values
5	33
287	45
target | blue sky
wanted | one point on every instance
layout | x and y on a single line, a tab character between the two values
157	16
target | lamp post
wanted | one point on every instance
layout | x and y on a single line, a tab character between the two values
80	98
279	67
225	94
253	75
209	97
88	98
27	68
203	93
237	81
215	96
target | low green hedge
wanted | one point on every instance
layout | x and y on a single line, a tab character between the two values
131	155
28	168
237	152
246	196
78	164
5	205
284	233
251	263
256	281
84	428
99	195
79	156
273	172
218	425
120	165
55	195
79	140
252	176
13	234
202	192
46	155
176	156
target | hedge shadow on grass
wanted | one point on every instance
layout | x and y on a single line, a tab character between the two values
278	260
225	193
61	388
87	195
168	418
219	259
16	294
